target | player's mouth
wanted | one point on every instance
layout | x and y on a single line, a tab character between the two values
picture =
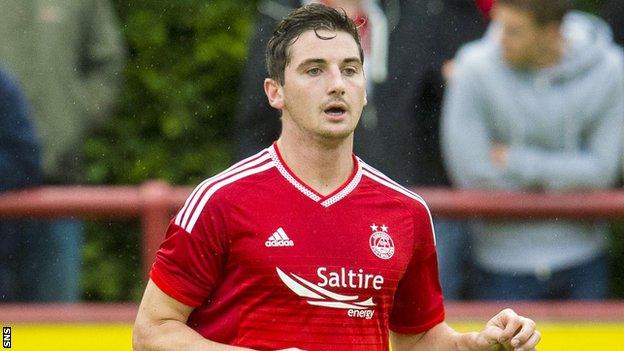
335	110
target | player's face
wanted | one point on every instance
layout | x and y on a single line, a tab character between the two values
324	87
521	36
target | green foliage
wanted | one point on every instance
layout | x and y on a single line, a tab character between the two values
180	91
616	254
173	120
588	5
111	265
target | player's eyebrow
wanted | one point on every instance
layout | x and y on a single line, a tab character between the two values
352	60
318	61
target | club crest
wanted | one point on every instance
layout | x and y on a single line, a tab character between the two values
380	242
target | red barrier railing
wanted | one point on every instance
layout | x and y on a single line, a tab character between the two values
155	202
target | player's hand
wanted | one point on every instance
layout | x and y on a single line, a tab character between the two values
508	331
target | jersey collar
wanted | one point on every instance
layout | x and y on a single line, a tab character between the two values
345	189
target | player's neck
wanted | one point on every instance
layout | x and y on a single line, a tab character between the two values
321	165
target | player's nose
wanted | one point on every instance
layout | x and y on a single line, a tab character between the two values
336	81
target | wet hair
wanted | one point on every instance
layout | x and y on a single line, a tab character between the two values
543	11
315	17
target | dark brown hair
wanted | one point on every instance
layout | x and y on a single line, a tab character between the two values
310	17
542	11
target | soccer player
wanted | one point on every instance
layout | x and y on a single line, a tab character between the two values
305	246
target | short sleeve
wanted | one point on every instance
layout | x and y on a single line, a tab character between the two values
418	303
189	266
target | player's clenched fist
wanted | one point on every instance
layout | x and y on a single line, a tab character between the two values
508	331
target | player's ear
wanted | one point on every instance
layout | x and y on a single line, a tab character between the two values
274	93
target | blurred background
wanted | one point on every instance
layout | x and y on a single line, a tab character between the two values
173	119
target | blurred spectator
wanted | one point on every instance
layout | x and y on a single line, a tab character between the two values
613	12
485	6
537	105
68	55
406	44
20	167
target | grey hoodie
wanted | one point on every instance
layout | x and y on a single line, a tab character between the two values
563	126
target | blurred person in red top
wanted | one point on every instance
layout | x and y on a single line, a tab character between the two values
485	6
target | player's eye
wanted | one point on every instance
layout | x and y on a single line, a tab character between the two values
350	71
314	71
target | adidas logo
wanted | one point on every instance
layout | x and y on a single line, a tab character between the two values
279	239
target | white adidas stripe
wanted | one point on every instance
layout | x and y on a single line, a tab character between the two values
202	187
184	215
391	185
194	194
384	180
218	185
185	207
282	234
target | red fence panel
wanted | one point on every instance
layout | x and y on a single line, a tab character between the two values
155	202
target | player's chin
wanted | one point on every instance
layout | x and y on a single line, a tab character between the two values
339	129
339	133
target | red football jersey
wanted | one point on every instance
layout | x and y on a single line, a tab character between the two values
268	263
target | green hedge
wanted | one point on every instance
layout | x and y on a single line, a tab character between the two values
173	121
175	113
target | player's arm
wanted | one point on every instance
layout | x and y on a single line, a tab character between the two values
161	325
506	331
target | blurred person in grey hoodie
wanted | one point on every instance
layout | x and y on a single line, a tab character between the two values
537	105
